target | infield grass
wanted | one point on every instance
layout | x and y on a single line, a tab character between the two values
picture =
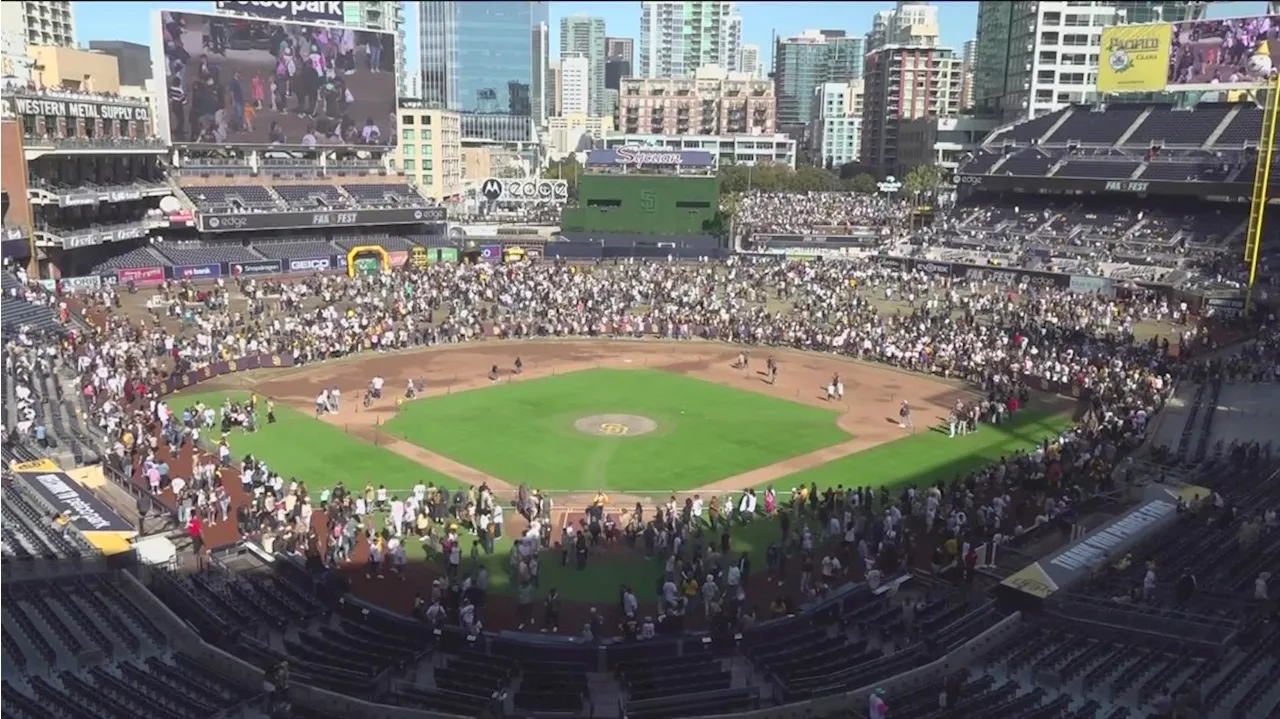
523	432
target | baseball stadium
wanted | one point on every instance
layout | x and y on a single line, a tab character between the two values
285	435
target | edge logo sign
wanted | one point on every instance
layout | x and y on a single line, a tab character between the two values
316	10
492	189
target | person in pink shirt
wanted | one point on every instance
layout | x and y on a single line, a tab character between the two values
877	709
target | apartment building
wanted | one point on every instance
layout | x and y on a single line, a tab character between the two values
677	38
803	63
49	23
905	82
713	102
430	149
584	37
575	86
1033	58
837	112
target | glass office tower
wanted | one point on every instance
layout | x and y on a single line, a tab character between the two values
486	60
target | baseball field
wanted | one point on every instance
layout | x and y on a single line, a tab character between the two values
636	433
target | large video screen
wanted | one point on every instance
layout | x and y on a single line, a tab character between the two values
250	81
1226	54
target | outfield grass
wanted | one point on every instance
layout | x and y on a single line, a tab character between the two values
316	452
523	432
930	455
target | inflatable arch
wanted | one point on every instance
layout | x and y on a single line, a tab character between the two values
362	249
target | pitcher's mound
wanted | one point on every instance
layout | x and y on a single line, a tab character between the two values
615	425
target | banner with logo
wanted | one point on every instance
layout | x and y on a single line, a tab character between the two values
251	269
141	276
491	253
1076	561
397	259
197	272
217	369
92	283
184	218
368	266
311	264
94	519
1135	58
447	254
1092	285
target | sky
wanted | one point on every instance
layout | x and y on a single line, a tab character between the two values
131	21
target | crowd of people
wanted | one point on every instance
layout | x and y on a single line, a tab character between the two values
1002	339
759	212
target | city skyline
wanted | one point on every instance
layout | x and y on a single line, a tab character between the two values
131	21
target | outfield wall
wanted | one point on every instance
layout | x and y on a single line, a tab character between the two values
654	204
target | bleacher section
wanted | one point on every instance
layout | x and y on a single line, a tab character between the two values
281	197
1210	142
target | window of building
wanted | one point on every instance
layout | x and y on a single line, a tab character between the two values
426	151
1048	38
410	165
426	134
1072	78
1052	19
1075	40
406	120
409	150
407	135
427	165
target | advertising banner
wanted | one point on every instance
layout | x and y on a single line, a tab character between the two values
98	109
311	264
802	257
1135	58
1073	563
1228	191
141	276
368	265
447	254
232	222
491	253
867	240
636	156
397	259
1228	54
181	219
92	283
318	11
217	369
251	269
1092	285
196	272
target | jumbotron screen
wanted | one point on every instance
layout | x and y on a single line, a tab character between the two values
251	81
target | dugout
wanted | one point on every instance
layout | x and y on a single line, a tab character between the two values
367	260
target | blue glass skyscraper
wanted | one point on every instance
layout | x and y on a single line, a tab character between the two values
487	61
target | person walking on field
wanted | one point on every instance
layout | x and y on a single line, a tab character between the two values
904	417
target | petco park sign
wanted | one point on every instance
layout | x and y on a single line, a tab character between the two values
638	156
308	11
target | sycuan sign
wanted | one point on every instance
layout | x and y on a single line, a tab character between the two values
633	155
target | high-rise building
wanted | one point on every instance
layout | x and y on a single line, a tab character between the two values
575	86
554	82
1032	58
837	116
384	15
488	62
584	37
134	60
713	102
902	83
806	61
677	38
620	48
48	23
749	61
910	23
967	58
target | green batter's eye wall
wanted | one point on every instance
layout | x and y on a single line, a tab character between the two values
645	203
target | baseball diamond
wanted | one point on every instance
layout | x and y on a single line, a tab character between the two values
700	427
